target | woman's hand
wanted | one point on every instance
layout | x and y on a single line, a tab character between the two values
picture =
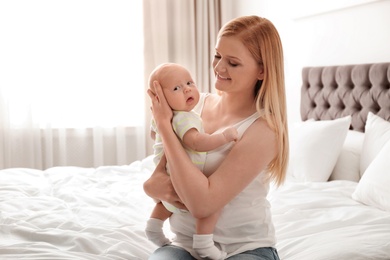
162	112
159	186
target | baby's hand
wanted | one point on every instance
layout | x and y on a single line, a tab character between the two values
230	134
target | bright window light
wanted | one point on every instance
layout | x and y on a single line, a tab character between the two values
72	63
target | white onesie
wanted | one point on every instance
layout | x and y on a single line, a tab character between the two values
182	121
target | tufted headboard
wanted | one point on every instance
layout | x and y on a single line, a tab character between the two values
336	91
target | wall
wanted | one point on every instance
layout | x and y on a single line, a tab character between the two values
343	32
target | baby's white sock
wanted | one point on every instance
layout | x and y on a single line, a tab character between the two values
205	248
154	232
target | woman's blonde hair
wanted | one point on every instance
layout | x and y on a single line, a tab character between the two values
262	39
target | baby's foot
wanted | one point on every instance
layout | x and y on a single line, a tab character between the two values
204	246
154	232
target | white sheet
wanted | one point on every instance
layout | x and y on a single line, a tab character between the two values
75	213
80	213
321	221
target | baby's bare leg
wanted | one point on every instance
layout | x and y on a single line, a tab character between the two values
160	212
207	225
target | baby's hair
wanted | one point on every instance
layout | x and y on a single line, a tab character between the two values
156	73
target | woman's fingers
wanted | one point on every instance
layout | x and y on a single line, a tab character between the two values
162	112
150	93
159	93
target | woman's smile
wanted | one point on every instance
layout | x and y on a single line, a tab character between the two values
219	77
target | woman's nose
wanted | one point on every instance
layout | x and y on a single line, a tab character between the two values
219	67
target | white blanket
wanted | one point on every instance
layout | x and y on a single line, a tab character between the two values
75	213
321	221
86	213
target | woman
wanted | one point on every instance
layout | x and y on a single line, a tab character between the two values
249	71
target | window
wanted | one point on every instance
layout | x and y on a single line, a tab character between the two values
72	63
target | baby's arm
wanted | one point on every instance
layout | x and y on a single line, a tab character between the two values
202	142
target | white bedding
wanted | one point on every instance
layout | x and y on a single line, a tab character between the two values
320	220
85	213
75	213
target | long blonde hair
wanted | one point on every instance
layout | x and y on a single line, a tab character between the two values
262	39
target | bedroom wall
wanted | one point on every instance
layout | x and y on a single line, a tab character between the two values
331	32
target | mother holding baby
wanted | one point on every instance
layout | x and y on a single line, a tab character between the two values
249	72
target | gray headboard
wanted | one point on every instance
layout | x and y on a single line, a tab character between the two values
336	91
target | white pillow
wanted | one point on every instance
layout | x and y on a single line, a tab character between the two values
315	147
377	133
373	188
348	163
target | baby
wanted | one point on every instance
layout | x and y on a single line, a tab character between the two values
182	95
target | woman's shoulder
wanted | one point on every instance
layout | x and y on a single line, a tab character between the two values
262	123
260	132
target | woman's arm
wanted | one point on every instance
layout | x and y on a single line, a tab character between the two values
159	186
249	156
204	196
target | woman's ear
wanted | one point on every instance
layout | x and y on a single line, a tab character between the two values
260	75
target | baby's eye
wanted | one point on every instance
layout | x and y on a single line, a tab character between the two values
176	88
190	83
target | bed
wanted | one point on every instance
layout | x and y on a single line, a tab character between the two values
335	203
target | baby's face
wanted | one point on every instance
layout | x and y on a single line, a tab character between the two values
179	88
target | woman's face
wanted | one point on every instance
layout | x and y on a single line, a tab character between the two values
235	68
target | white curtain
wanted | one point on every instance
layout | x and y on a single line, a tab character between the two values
71	77
183	32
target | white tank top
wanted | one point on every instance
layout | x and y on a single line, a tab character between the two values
245	222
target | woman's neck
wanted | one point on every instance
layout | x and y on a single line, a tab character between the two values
235	105
226	110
